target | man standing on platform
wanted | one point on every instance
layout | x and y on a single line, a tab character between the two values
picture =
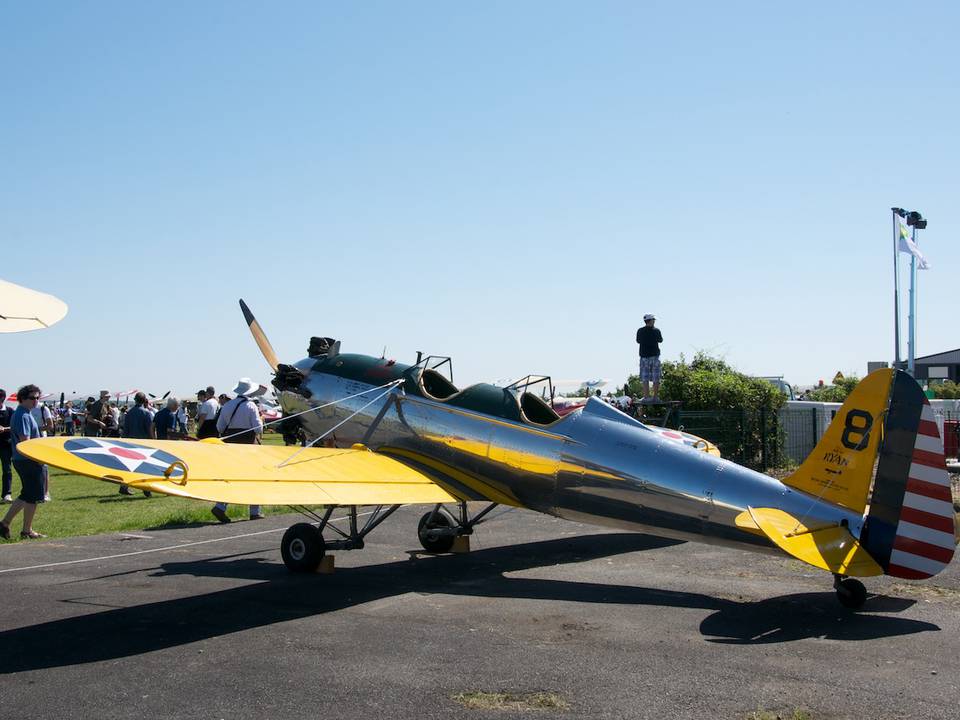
649	339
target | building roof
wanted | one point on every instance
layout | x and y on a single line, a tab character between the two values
951	357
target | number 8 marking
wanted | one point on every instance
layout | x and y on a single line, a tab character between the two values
860	430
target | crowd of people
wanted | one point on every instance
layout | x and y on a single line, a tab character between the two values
236	419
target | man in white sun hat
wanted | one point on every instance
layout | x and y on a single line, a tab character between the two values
239	422
649	339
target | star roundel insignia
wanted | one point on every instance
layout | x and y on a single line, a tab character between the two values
125	456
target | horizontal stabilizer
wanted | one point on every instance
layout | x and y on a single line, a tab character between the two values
830	548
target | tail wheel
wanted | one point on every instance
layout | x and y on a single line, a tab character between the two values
431	540
851	593
302	548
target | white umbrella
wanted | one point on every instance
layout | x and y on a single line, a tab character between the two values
22	309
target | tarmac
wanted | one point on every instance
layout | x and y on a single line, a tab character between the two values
205	622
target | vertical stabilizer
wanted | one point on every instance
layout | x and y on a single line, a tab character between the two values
840	468
910	528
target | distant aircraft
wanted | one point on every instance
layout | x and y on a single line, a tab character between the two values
12	397
872	498
270	409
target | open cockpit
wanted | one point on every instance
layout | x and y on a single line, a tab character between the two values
516	402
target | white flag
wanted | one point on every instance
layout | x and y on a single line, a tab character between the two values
906	245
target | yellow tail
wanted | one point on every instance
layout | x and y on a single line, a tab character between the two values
840	468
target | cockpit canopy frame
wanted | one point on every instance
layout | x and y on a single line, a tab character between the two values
524	385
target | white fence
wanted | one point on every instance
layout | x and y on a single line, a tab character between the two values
805	422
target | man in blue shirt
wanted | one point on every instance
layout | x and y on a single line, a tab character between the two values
138	424
165	421
24	427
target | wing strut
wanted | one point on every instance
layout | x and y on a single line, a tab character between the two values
391	386
394	400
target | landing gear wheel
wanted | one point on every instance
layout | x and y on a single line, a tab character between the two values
302	548
432	542
851	593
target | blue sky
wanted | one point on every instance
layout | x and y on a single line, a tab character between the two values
511	184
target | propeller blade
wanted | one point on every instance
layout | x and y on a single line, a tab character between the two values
259	337
165	394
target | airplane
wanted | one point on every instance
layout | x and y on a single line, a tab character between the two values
873	498
270	410
12	397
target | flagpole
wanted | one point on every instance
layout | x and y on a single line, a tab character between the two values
896	288
912	340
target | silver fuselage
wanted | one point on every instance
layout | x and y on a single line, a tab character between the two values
596	465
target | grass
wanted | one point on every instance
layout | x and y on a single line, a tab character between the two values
798	714
479	700
84	506
926	591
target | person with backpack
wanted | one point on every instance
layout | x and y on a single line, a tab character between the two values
239	422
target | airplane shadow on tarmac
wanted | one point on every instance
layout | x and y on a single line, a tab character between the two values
281	597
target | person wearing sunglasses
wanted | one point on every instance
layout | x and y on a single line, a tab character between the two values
24	427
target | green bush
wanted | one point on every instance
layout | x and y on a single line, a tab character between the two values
733	410
708	383
833	393
947	390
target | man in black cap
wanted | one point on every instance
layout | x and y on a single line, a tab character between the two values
649	339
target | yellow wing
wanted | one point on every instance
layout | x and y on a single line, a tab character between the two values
247	474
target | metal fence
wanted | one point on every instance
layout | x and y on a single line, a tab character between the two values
748	437
803	426
763	439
